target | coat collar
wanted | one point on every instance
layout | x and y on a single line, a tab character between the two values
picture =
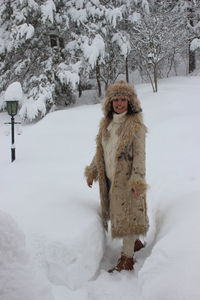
128	130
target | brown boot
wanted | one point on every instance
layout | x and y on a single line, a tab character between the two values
138	245
124	263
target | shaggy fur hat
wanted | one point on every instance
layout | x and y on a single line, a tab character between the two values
121	89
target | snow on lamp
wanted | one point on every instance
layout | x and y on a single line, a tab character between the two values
13	95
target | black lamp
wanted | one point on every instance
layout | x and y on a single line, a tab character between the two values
12	107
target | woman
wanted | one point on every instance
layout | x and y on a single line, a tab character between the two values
119	166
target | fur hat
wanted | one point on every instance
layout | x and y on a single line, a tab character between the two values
121	89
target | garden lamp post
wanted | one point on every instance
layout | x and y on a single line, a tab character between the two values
13	95
12	108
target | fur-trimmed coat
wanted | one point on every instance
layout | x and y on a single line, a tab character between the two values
127	213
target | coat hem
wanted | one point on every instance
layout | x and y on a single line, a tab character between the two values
139	230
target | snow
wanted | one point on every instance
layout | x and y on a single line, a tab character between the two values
195	44
35	103
32	4
48	9
79	4
113	14
66	75
13	92
145	6
79	16
95	50
135	17
25	30
2	41
94	12
18	276
52	244
32	108
123	43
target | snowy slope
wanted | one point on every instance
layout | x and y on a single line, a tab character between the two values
45	193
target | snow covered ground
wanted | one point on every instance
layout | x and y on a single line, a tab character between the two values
52	245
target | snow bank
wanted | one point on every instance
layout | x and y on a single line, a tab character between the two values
73	263
70	248
18	277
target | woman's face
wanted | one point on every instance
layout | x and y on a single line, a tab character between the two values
120	105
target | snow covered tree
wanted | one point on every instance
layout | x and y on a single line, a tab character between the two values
81	47
34	34
156	35
100	37
54	47
191	9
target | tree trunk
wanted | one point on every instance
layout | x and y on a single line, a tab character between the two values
171	63
98	78
151	80
192	61
126	68
79	88
155	75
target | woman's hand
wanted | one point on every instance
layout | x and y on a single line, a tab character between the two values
89	183
136	193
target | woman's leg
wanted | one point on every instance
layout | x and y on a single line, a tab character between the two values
126	260
129	245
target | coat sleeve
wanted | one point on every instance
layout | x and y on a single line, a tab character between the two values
137	180
91	172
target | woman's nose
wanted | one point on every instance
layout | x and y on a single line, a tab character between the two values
119	102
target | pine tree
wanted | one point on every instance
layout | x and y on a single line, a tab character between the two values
99	38
33	53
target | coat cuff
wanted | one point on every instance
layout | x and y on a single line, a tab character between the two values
91	173
137	185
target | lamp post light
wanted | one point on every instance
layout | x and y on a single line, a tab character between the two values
12	107
13	95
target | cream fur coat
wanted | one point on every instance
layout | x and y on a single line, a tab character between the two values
128	214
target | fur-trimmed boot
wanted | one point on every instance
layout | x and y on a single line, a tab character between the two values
124	263
138	245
